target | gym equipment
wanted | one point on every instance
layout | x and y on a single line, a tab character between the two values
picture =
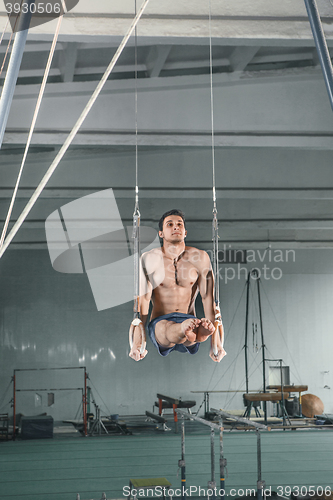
253	274
83	389
205	400
312	405
182	463
148	484
152	417
258	427
174	403
137	321
102	498
291	389
37	427
223	462
278	397
4	425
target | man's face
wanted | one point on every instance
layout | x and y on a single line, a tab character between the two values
173	229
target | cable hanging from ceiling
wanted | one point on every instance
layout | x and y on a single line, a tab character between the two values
137	321
10	38
34	119
219	333
72	134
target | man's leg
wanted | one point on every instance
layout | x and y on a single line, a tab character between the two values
169	333
189	332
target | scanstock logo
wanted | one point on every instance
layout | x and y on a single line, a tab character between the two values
36	12
88	236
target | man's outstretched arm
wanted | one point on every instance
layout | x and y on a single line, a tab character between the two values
139	334
206	289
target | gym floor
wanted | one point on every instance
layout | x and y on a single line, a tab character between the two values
68	464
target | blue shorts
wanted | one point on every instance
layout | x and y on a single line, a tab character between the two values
176	318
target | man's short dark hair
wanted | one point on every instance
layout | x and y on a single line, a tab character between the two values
175	211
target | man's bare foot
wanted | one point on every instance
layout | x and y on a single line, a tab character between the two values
137	339
205	330
189	329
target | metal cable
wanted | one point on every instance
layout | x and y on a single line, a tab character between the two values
215	234
72	134
136	214
34	119
10	38
212	101
136	119
229	330
5	28
284	340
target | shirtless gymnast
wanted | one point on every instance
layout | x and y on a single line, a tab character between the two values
187	272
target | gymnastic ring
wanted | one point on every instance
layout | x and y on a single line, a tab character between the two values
218	316
138	322
218	331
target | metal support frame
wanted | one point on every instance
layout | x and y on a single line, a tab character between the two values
253	274
83	389
14	65
258	428
321	46
223	463
260	483
285	415
181	463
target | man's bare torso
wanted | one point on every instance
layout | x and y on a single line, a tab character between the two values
174	281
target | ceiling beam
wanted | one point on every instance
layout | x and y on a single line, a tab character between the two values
225	226
206	244
156	60
33	47
68	59
169	83
192	193
287	57
236	140
241	57
155	25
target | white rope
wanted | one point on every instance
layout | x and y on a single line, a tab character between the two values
215	235
212	100
73	133
5	28
9	42
136	214
136	124
10	38
34	119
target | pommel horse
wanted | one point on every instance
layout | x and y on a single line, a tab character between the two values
265	396
291	388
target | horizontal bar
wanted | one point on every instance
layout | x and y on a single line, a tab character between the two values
50	390
49	369
210	392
